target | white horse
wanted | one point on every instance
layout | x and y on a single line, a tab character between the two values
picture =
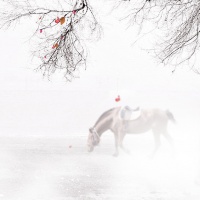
149	119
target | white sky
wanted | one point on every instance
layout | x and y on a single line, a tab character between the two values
31	105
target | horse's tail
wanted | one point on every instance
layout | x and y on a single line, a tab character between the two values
170	116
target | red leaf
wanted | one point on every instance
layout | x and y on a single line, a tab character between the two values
57	20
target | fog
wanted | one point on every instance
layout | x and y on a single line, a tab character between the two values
44	124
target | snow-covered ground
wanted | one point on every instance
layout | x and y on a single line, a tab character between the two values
60	168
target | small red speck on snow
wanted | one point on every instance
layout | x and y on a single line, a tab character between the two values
40	30
74	12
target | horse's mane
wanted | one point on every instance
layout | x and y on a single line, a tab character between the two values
105	114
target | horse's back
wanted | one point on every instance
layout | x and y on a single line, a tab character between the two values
159	117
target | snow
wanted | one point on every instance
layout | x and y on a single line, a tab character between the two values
46	168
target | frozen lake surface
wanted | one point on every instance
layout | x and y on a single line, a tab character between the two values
60	168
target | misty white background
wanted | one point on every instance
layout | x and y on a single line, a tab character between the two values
32	105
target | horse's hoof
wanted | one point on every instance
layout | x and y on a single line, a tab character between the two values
151	156
116	154
197	182
128	152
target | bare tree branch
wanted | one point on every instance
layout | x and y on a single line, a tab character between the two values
178	20
63	24
60	44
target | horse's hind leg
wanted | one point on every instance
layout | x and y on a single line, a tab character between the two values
168	138
157	142
170	141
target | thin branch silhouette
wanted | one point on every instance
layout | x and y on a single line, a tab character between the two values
60	41
177	20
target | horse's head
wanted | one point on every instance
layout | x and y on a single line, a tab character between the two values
93	139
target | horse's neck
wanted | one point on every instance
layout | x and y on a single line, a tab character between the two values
102	127
107	122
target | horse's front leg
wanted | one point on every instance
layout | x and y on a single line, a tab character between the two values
116	144
122	135
117	130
